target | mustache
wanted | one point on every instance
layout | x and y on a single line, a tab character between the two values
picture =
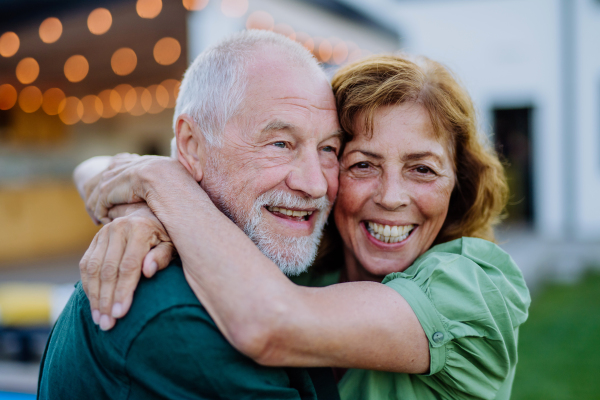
285	199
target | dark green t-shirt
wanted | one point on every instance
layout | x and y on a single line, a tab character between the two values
167	347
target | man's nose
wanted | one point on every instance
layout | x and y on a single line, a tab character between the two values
392	193
308	175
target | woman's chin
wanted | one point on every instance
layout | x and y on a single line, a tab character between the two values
382	267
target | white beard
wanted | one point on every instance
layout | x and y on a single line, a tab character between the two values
293	255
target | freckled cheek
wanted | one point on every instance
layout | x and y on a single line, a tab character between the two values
353	196
433	202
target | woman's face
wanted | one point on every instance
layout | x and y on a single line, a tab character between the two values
394	192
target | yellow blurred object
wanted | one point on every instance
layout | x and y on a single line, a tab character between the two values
25	304
42	219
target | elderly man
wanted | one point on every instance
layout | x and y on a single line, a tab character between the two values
256	125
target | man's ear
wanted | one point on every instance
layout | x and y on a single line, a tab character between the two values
191	146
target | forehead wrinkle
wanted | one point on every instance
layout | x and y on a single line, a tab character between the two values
278	125
304	100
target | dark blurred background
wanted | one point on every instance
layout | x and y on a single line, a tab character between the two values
98	77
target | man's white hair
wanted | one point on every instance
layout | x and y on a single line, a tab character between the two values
213	88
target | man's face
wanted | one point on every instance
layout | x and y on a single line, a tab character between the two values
279	157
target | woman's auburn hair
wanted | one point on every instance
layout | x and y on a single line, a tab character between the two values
481	192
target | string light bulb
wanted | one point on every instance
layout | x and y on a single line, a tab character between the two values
27	70
99	21
9	44
8	96
50	30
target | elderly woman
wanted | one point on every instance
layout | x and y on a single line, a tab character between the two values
418	196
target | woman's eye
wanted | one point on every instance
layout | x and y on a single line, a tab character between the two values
361	165
424	170
329	149
281	145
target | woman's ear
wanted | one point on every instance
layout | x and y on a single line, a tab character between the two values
191	146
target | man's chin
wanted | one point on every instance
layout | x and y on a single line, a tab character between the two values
293	255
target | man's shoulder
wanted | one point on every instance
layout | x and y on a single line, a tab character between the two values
156	298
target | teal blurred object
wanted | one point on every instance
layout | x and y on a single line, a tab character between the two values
16	396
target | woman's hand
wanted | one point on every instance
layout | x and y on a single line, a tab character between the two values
133	242
125	181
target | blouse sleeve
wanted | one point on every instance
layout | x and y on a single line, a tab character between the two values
470	311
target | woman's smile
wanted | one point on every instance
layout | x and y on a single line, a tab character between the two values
384	233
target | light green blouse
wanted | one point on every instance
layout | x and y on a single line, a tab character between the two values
470	298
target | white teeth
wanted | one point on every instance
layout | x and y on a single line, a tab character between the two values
389	234
292	213
386	231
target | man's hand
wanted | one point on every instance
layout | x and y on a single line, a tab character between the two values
133	242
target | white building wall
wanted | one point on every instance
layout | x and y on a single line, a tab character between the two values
587	108
210	25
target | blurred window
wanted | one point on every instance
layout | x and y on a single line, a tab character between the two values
513	134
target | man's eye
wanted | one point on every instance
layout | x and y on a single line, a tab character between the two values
329	149
281	145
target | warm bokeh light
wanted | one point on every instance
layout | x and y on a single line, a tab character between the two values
167	51
76	68
30	99
195	5
160	98
50	30
340	53
260	20
323	49
92	109
123	61
148	8
234	8
8	96
9	44
305	40
140	98
99	21
285	30
108	111
172	86
52	101
27	70
72	110
117	97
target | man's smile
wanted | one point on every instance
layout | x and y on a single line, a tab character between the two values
295	215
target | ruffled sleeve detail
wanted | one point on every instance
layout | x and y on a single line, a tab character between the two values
470	299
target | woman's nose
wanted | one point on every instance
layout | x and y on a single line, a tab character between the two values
392	193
